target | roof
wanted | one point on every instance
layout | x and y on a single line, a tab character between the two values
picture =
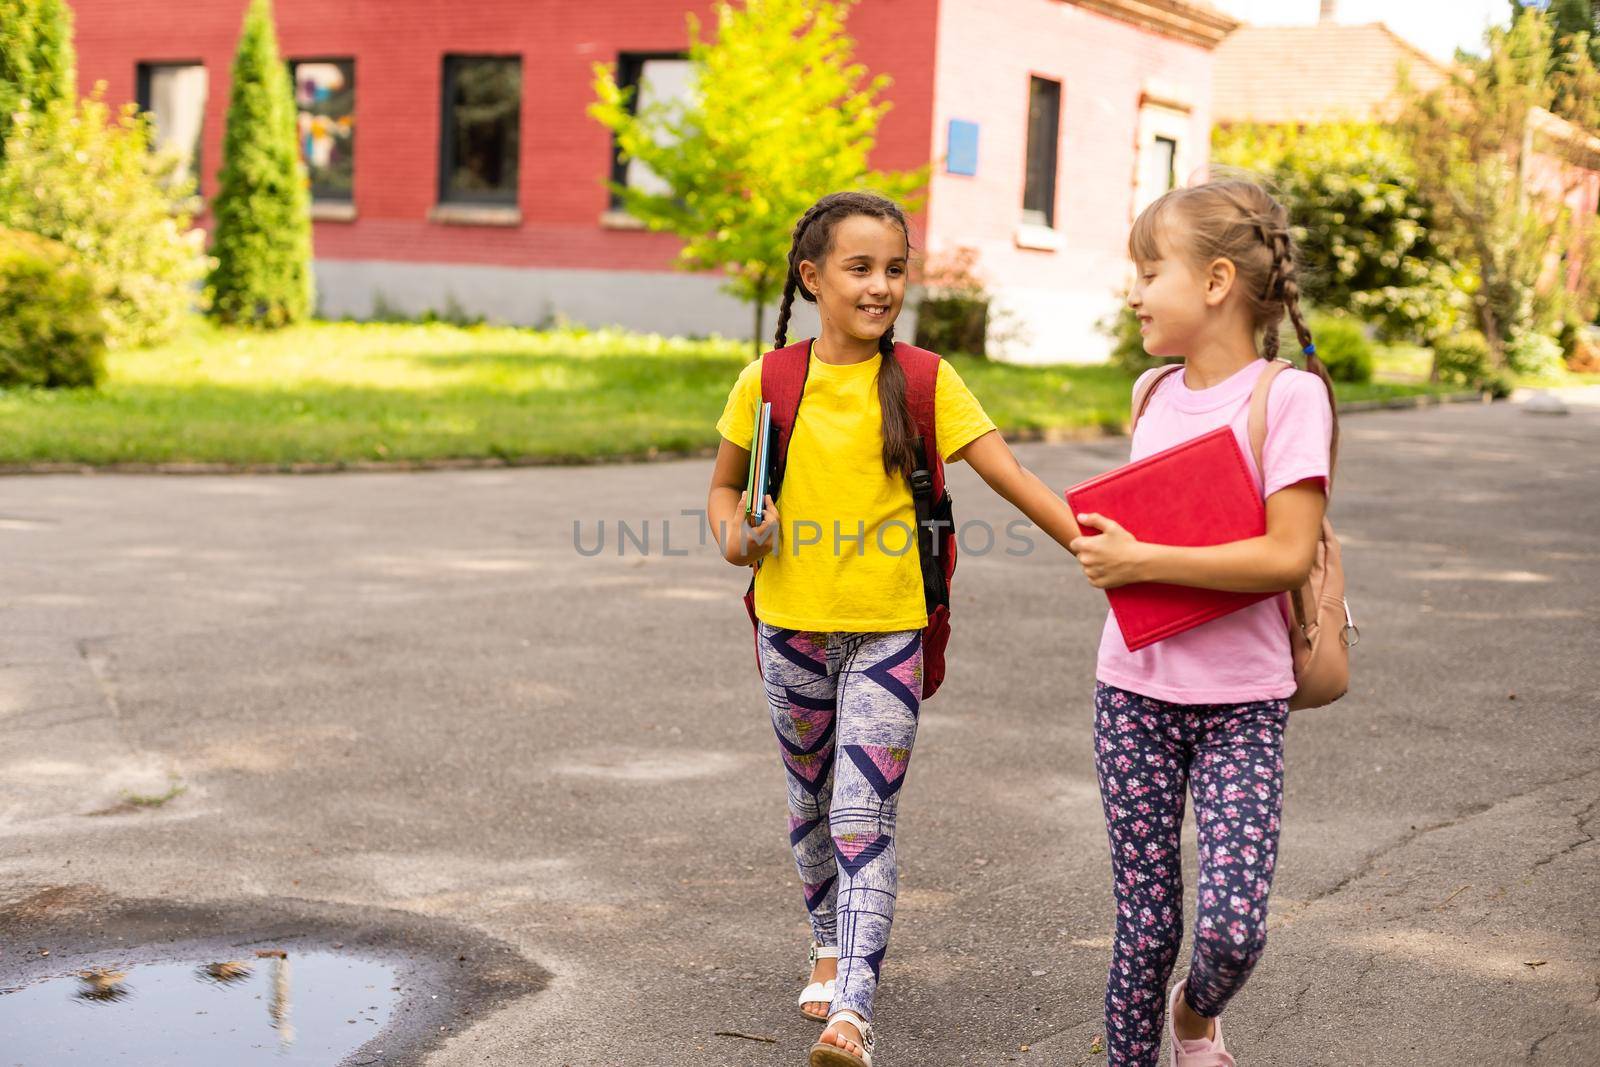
1322	73
1576	144
1192	21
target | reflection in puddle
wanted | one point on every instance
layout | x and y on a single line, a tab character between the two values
237	1012
223	973
101	984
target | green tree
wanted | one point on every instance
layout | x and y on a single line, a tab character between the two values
1479	144
780	115
1364	231
262	246
37	63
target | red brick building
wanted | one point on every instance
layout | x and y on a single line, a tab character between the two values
453	161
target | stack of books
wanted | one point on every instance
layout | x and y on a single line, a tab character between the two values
758	481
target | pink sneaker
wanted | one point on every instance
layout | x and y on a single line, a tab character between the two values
1211	1053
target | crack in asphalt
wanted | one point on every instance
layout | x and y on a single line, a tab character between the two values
1292	1015
95	660
1583	829
1371	862
1533	1050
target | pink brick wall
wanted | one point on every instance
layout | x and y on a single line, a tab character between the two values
399	46
1578	189
988	49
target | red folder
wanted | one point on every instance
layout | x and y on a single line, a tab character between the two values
1198	493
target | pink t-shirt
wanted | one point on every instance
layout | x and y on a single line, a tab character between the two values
1242	657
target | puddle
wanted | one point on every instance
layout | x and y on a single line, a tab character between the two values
88	977
311	1007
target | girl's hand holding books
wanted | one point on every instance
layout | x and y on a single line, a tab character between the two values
1112	558
752	542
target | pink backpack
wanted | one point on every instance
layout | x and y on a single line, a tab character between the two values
1321	629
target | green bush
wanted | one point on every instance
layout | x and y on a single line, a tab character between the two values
52	326
953	324
1343	347
1580	346
1534	355
954	313
263	205
78	174
1463	359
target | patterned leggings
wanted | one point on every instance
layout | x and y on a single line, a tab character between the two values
863	691
1231	756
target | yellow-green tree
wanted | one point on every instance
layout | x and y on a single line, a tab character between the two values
780	115
38	66
81	173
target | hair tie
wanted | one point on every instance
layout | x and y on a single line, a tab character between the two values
1310	350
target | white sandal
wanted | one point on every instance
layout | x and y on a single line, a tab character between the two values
819	992
826	1055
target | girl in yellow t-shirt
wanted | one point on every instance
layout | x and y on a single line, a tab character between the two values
840	602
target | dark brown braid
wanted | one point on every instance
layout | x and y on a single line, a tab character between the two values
812	241
1284	289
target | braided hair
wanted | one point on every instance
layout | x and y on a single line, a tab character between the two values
1238	220
812	241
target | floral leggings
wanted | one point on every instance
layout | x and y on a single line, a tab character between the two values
1231	757
845	707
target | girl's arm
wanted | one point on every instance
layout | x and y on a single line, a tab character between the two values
1278	561
992	458
742	544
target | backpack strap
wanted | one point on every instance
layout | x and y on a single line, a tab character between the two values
1141	397
928	495
783	383
922	382
1258	419
1258	416
1258	447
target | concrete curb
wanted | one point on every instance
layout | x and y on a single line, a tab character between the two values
1410	403
1058	435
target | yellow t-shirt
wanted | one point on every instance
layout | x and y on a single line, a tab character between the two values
846	556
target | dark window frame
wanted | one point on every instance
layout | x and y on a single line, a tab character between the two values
1041	202
630	68
1172	160
143	70
452	63
289	64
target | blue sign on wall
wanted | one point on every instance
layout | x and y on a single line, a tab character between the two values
962	154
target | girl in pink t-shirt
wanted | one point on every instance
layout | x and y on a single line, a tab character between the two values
1205	709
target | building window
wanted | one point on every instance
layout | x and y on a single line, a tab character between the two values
1158	169
480	129
1164	163
325	105
657	78
1044	131
1166	125
174	96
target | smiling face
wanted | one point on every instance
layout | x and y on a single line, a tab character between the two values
1170	297
861	282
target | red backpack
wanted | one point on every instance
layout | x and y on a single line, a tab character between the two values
783	382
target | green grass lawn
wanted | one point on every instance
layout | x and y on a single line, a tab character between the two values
348	392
